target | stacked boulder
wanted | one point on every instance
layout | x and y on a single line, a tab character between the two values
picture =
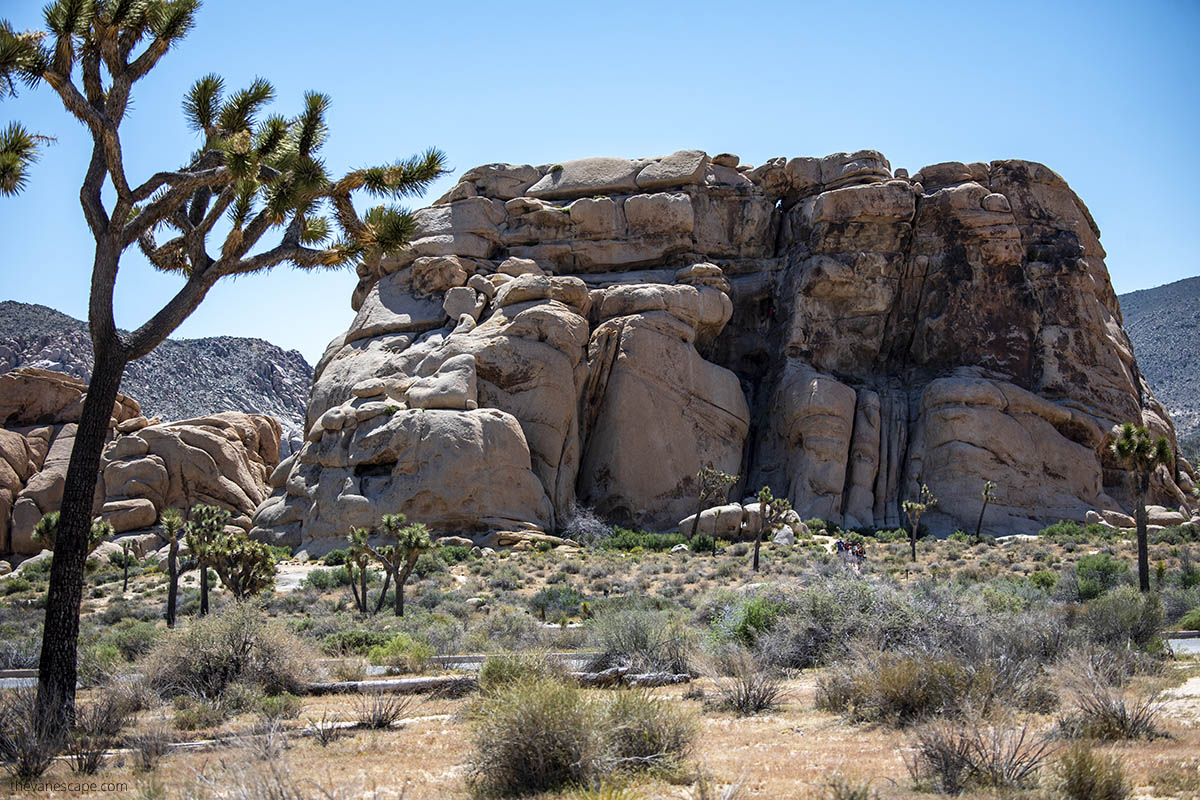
593	332
147	465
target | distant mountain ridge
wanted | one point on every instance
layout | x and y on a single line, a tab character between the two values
181	378
1164	325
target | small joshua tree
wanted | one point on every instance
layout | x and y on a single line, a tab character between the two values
244	566
771	512
988	488
45	532
204	529
712	485
172	523
358	555
1141	454
914	509
399	557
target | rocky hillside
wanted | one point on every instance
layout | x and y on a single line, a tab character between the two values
180	379
1164	325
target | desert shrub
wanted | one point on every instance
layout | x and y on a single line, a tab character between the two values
1102	711
1190	621
29	742
897	688
148	747
402	653
379	710
952	757
746	618
280	706
557	600
352	642
97	662
508	577
505	628
236	644
1124	617
454	554
97	725
193	714
536	736
1081	774
816	525
500	671
334	558
322	580
640	639
1099	570
746	685
643	730
1044	579
584	526
133	639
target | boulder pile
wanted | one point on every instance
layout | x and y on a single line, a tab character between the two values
595	331
147	466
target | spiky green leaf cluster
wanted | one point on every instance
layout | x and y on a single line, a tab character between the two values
1141	452
18	149
45	532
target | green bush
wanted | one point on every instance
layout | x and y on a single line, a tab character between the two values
1080	774
280	706
537	736
353	642
817	525
747	618
1044	579
193	714
402	653
502	671
1101	569
1190	621
643	640
1124	617
334	558
897	688
133	638
554	601
236	644
544	735
455	554
644	730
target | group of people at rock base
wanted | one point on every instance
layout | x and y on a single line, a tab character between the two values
854	554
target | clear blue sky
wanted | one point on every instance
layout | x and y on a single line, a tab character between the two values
1105	93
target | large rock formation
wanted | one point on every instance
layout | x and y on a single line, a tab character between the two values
599	329
224	460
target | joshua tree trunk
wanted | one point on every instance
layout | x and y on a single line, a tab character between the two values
203	588
1142	545
387	581
758	536
57	670
979	524
358	605
124	569
172	581
362	580
401	579
696	521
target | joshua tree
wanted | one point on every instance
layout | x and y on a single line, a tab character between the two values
244	566
261	173
172	523
46	532
358	555
399	557
204	531
988	488
713	484
771	511
125	559
1142	454
914	509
